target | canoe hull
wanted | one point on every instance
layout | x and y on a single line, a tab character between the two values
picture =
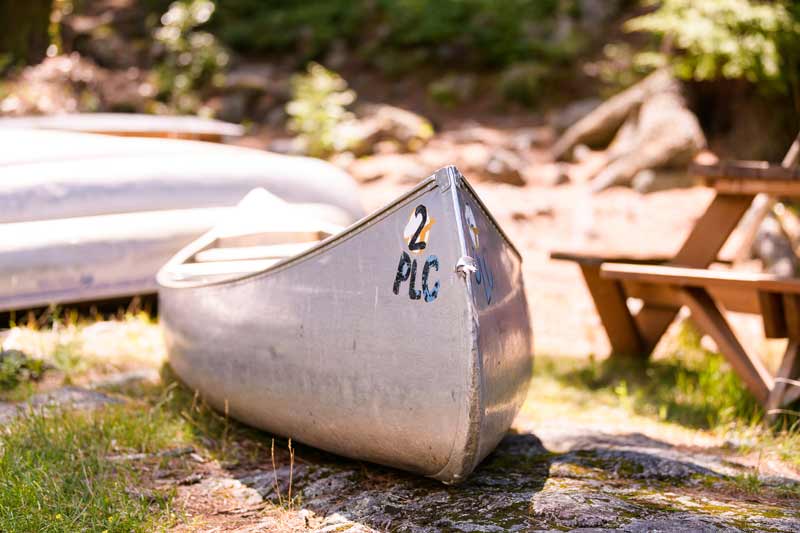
374	345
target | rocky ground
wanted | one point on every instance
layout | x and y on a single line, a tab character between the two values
572	462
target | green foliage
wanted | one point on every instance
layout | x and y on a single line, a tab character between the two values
318	111
258	26
523	82
56	473
481	31
24	29
191	59
734	39
17	368
452	89
398	35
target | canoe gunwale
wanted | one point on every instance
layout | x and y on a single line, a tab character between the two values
165	278
444	178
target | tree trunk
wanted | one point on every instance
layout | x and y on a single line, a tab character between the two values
24	26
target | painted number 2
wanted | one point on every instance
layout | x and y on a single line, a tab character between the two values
414	243
415	235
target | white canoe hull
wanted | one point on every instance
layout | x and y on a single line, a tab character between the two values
368	345
130	125
46	175
86	217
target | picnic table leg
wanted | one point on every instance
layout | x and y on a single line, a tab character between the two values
699	250
609	300
708	316
788	370
781	393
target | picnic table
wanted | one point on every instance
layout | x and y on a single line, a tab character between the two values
664	286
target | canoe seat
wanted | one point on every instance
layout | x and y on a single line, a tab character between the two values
271	251
220	269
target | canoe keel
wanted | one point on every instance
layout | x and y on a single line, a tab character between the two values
403	340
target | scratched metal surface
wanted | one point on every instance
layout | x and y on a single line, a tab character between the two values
338	349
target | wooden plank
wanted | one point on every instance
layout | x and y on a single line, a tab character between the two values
668	296
745	170
700	249
597	259
791	308
712	230
609	300
653	323
708	317
749	187
700	277
787	370
772	314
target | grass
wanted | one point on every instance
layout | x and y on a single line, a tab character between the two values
690	388
60	470
57	474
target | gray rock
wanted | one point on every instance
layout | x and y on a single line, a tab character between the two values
127	379
234	106
572	113
678	523
65	397
603	482
505	166
578	509
381	122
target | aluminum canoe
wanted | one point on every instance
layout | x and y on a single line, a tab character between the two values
130	125
403	339
87	217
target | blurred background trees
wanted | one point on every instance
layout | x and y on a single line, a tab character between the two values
739	58
24	30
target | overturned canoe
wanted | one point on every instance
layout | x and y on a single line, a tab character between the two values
50	174
87	217
403	339
130	125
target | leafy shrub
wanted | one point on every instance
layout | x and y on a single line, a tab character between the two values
523	82
318	111
16	368
452	89
734	39
390	32
191	59
258	26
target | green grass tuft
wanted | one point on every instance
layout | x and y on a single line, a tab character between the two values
57	474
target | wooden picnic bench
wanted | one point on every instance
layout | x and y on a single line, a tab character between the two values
664	285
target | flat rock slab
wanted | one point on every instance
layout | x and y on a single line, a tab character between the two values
65	397
600	483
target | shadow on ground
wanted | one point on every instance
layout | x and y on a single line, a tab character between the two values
604	482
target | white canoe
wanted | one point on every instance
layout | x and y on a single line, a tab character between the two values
45	175
130	125
86	217
403	339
